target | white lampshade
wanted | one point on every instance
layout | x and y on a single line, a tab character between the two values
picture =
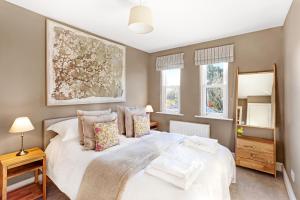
21	125
140	20
149	109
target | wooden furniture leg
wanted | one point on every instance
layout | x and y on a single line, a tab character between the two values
1	180
36	176
44	179
4	183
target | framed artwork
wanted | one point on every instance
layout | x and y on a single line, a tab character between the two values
82	68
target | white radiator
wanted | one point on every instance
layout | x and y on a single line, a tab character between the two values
187	128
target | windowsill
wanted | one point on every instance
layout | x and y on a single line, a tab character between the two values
167	113
217	118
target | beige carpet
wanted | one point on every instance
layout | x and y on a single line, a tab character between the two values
256	185
251	185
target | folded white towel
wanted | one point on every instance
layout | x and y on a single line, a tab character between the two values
202	144
178	182
179	165
209	149
175	166
201	140
178	160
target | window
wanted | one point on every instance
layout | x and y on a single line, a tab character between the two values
170	91
214	90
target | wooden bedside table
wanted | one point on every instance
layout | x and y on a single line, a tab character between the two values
12	166
154	125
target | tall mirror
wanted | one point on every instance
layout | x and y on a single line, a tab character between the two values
256	100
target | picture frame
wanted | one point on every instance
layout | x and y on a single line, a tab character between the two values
83	68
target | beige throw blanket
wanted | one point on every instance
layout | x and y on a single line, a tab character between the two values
106	176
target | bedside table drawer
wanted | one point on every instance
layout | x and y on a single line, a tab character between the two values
250	145
255	155
252	164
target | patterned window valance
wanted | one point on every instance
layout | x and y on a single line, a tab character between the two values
170	62
214	55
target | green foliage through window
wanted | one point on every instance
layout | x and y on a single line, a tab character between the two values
171	90
214	74
215	87
214	102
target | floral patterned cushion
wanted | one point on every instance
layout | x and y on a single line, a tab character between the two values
141	125
106	135
88	113
88	128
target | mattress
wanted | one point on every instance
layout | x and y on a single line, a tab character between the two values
67	161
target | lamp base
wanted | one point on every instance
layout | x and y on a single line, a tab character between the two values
22	153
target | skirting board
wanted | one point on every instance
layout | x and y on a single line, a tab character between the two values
279	166
288	185
22	183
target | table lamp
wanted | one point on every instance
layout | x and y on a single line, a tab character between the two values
21	125
149	109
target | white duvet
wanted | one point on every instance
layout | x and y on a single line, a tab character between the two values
66	164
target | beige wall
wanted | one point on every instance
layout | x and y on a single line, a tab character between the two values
22	76
253	51
292	94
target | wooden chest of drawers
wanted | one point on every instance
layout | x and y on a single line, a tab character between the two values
256	153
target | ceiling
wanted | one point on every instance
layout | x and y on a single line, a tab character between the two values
176	22
260	84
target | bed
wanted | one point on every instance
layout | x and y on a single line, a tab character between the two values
67	162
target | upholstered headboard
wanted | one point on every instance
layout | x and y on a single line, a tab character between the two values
47	135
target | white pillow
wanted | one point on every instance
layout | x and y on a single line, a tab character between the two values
67	129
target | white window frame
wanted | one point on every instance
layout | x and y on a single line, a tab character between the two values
163	94
204	87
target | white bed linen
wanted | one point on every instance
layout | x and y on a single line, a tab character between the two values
178	161
66	162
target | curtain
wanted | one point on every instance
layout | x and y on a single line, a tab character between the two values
173	61
214	55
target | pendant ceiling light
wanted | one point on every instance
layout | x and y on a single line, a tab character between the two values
140	19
